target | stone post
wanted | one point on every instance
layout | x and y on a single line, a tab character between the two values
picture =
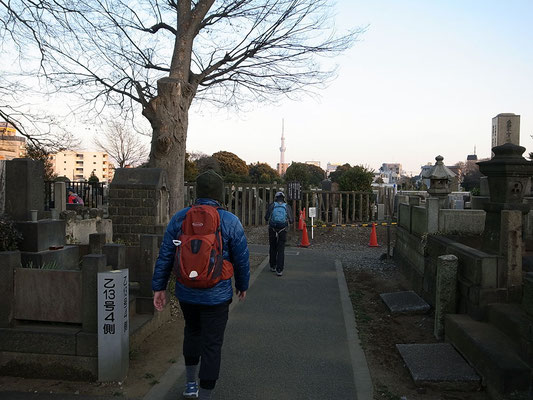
9	260
116	255
446	291
149	253
91	265
511	250
60	196
96	242
432	210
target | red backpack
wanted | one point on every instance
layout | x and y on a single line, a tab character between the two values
198	261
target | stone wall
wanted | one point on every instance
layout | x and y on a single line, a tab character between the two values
463	222
133	212
138	203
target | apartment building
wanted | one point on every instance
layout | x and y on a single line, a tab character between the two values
11	146
79	165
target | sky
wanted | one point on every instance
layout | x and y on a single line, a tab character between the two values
425	79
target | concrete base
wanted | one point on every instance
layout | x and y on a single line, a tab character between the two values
66	258
48	366
405	303
64	352
437	363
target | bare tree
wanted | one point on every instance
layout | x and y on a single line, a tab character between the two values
122	145
161	55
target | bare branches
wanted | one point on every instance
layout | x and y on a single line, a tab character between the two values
122	145
113	52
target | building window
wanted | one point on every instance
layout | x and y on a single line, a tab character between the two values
64	162
94	155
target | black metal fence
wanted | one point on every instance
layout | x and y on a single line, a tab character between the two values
93	194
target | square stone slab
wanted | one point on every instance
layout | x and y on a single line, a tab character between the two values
436	362
405	302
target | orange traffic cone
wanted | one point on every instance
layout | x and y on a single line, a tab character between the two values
305	238
301	222
373	237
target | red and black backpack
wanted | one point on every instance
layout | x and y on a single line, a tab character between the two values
198	261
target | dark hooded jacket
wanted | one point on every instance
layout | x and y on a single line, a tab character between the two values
235	250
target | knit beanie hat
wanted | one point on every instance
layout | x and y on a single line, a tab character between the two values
210	185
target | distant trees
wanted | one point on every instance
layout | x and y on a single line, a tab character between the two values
350	178
470	176
40	153
263	173
307	174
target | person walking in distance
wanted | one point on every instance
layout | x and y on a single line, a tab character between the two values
204	245
279	216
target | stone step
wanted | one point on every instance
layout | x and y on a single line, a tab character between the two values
490	352
513	321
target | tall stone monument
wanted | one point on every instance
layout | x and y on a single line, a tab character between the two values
505	129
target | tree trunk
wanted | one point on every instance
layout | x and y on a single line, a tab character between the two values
168	114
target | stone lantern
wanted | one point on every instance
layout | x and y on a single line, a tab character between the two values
439	177
507	174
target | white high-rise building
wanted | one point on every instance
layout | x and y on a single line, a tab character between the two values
79	165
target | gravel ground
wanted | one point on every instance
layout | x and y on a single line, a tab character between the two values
348	244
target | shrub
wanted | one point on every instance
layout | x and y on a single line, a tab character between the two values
9	236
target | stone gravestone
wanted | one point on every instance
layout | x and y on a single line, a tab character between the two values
113	325
24	188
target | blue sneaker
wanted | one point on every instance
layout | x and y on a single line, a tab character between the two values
279	273
191	390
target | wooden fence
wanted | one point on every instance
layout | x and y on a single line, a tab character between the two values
250	201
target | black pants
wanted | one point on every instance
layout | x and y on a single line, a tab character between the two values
203	338
277	239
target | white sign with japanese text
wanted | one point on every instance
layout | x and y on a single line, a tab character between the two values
312	212
113	325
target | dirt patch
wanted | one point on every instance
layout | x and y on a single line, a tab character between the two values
148	362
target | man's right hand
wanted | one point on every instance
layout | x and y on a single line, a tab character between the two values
160	299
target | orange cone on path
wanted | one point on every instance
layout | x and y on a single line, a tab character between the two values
373	237
305	238
301	221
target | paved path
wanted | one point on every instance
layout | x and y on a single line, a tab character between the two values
293	338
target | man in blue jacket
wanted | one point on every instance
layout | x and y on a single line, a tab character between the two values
205	310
